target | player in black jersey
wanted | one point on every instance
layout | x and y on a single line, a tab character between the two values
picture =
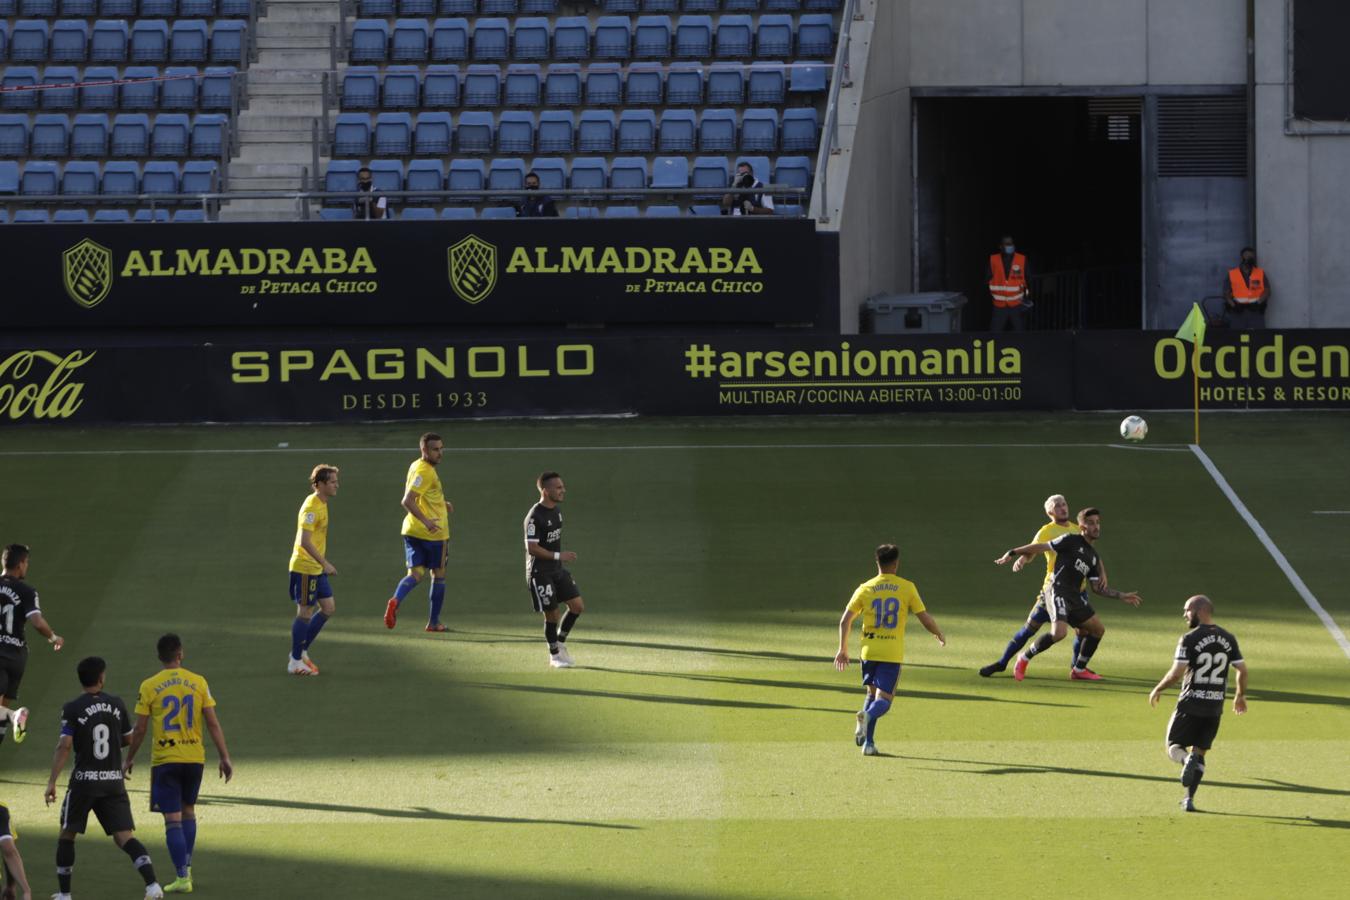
96	727
551	586
1205	654
1075	559
18	606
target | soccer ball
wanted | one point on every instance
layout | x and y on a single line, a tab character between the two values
1133	428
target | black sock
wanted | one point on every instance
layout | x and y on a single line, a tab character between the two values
568	620
1085	652
551	635
140	858
1199	776
1042	643
65	864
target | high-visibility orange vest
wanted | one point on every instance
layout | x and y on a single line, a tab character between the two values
1249	290
1008	288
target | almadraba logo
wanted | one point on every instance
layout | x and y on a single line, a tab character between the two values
87	270
47	393
473	268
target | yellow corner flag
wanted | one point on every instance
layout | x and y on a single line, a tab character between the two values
1193	329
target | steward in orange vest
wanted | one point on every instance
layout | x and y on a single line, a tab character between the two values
1007	277
1246	292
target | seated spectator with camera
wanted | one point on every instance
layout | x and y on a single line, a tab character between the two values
756	204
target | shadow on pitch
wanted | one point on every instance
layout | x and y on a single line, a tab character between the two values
649	698
412	812
1296	821
1120	685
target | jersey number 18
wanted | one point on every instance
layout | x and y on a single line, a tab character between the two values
887	612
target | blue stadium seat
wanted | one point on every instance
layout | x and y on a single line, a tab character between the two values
28	41
402	87
59	99
711	172
425	175
467	175
31	217
169	135
117	9
499	7
491	39
506	175
351	135
581	212
440	87
340	177
809	77
822	4
89	135
670	172
660	6
432	134
613	38
108	41
628	173
759	131
800	130
72	9
693	37
562	85
159	9
539	6
717	130
411	8
620	6
181	92
759	165
734	37
552	172
604	84
96	95
145	93
197	9
130	135
651	38
815	35
637	131
449	40
483	86
79	177
417	212
227	41
678	131
571	38
237	8
499	212
782	5
15	77
773	38
794	171
557	131
13	135
187	41
377	9
515	132
476	133
684	85
151	215
36	9
201	177
459	7
595	131
645	85
393	134
69	41
149	41
530	38
217	87
387	174
208	135
361	87
662	212
767	84
50	136
589	173
39	179
459	213
740	5
336	214
523	85
621	212
189	215
409	40
726	85
9	177
159	178
370	41
112	215
701	5
120	178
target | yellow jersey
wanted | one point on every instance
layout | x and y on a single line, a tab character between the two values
314	519
175	700
1049	531
424	484
884	604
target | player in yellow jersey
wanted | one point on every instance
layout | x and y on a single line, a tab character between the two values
16	879
426	532
310	569
178	702
884	603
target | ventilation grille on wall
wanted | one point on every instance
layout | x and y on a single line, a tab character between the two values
1202	137
1114	119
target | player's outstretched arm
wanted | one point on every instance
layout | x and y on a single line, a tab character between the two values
14	866
931	625
1024	550
218	736
137	736
845	623
45	630
1103	590
58	763
1240	693
1178	669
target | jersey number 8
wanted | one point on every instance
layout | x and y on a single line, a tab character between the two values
102	741
887	612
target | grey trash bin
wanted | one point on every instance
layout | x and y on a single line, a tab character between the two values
905	313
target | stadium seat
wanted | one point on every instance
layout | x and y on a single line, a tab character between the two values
693	37
773	37
159	178
759	131
539	6
459	212
180	92
120	9
393	134
63	98
144	94
208	135
734	36
336	214
523	85
644	86
31	217
621	212
793	171
562	85
417	212
377	9
159	215
801	133
69	41
581	212
552	172
726	85
459	7
361	87
201	177
340	177
499	212
571	38
619	6
651	38
409	40
660	6
515	132
506	175
613	38
467	175
370	41
95	94
699	209
89	135
662	212
108	41
130	135
670	172
499	7
604	84
483	86
740	5
351	135
701	5
112	215
17	77
529	41
808	77
637	131
72	9
28	41
402	88
425	175
678	131
189	215
79	177
432	134
449	40
9	177
120	178
628	173
595	131
217	87
768	84
815	35
50	136
39	179
717	130
198	9
227	42
557	131
711	172
13	135
386	174
491	39
822	4
684	85
440	87
187	41
589	173
159	9
782	5
169	135
149	41
413	8
759	164
475	133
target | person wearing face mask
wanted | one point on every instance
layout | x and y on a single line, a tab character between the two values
1246	291
369	204
757	204
1007	277
535	204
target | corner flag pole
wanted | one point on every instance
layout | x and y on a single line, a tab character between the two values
1195	387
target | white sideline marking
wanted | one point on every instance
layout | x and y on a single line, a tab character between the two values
1162	449
1279	557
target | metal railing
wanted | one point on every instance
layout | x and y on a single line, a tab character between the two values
841	77
1102	297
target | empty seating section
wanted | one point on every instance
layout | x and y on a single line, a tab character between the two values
151	85
468	95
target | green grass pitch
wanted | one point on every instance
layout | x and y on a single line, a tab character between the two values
704	747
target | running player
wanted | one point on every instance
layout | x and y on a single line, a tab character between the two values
1204	655
18	606
426	532
890	599
310	569
1075	559
96	727
16	879
551	586
177	701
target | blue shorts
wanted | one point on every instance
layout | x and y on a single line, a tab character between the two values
424	554
309	589
881	675
173	785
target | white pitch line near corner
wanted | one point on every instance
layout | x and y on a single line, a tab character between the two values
1280	559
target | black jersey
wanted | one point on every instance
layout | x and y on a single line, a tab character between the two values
544	527
18	602
96	724
1208	652
1074	560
